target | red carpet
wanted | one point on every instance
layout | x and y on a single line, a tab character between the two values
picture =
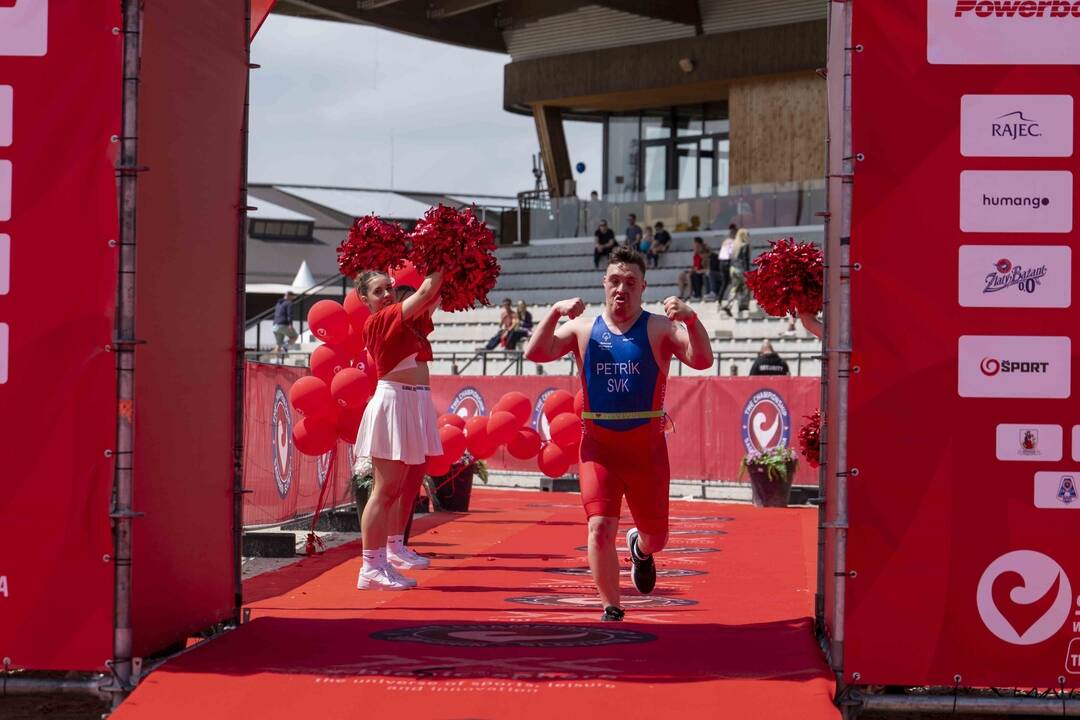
505	625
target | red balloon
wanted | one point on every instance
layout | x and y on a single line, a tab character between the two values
367	364
353	346
566	430
557	403
348	424
516	403
357	310
579	403
407	274
453	442
329	321
311	397
437	466
554	461
451	419
477	439
502	425
351	388
525	444
327	361
315	435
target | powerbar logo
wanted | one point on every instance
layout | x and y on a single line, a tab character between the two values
1018	8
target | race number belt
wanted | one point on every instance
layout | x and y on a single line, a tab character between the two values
637	415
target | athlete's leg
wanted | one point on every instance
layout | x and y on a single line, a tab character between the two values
604	558
647	497
399	555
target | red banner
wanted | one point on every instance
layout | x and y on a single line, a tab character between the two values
59	108
716	420
964	138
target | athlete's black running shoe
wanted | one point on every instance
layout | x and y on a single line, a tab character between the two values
643	571
612	614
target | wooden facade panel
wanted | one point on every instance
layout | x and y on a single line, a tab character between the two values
778	129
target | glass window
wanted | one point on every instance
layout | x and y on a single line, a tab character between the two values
706	167
655	172
716	119
688	120
688	170
623	155
723	149
656	124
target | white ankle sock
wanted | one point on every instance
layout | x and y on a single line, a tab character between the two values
395	544
374	559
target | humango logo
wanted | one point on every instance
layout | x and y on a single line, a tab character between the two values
1018	8
1035	203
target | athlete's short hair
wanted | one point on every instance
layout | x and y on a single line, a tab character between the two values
628	256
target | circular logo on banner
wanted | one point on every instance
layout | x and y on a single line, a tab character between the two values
766	423
538	422
660	572
1024	597
524	635
467	403
990	366
322	467
281	444
591	601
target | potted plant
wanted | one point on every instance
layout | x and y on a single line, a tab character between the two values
451	492
362	481
771	473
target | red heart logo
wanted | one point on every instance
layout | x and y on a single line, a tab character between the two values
1021	616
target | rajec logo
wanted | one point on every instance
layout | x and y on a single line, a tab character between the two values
1018	8
1024	597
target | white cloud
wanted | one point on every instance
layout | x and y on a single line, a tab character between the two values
336	104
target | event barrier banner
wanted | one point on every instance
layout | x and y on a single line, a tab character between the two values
961	427
60	71
716	421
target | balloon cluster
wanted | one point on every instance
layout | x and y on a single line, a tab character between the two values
810	439
789	278
507	425
331	401
453	241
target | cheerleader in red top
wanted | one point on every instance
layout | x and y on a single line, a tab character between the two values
399	430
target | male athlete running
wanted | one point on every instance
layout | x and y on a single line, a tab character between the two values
624	356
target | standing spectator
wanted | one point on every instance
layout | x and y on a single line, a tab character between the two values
768	362
720	269
696	275
633	232
605	243
283	327
660	245
523	324
740	265
594	196
506	323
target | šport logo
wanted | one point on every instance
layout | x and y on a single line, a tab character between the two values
1024	597
992	366
1018	8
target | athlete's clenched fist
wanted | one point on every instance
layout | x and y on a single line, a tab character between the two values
676	309
569	308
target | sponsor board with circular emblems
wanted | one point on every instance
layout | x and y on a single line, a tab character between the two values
468	402
283	454
593	602
538	422
323	466
502	635
660	572
766	422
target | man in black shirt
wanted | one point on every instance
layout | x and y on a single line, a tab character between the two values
605	243
284	332
768	362
660	245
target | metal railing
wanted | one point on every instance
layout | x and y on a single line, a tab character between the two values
512	362
301	300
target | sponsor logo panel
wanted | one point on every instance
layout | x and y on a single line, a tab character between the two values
1016	125
7	107
1036	201
1035	276
1029	442
1076	443
1007	366
1057	490
1003	32
24	28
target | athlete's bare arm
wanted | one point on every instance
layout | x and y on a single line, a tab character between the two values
549	340
687	337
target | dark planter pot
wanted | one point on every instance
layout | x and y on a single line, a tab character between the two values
770	493
453	495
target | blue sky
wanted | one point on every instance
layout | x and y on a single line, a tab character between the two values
342	104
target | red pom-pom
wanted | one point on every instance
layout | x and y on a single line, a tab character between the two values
789	278
372	244
810	439
462	247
